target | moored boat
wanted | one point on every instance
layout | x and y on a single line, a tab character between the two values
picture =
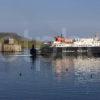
81	45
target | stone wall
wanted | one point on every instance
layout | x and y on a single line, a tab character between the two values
11	48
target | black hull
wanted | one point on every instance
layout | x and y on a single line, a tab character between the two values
76	50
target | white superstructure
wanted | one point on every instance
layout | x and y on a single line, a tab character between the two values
87	42
83	42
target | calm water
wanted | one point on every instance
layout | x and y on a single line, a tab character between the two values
48	78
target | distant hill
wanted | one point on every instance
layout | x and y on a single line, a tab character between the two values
12	35
25	42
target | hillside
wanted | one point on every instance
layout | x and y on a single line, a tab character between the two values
12	35
25	42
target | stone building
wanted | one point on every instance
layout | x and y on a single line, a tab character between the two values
10	46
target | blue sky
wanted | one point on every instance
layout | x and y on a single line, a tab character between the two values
47	17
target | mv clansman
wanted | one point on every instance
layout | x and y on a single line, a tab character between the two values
76	46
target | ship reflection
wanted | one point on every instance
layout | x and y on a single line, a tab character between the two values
63	65
82	68
87	70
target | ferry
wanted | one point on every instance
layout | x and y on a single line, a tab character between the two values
80	45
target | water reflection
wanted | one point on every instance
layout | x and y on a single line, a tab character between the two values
81	69
84	69
42	78
63	65
33	58
9	56
87	70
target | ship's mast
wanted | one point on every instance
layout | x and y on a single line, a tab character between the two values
64	32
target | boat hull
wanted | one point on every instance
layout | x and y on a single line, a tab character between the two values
78	50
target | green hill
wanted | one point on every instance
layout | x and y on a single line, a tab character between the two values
24	42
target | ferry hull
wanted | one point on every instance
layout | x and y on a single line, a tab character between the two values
78	50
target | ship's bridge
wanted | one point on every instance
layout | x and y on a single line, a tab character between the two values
61	44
